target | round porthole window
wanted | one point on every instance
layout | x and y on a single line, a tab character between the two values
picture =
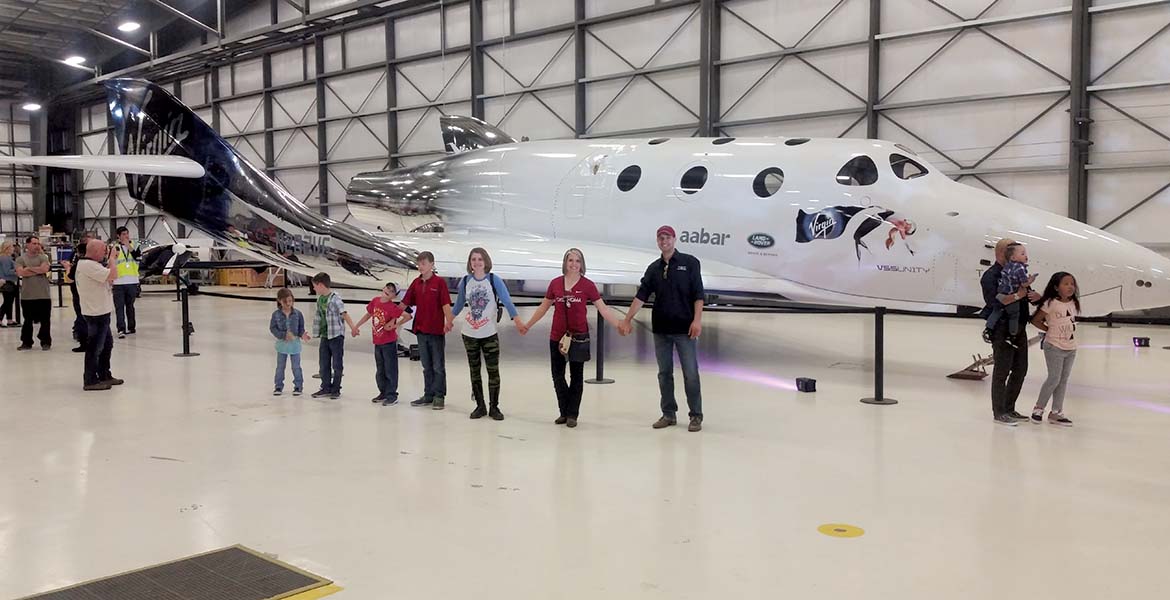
693	180
629	177
768	182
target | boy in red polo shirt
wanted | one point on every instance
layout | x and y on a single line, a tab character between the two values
431	300
388	317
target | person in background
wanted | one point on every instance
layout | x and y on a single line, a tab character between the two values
676	281
482	291
429	297
79	326
287	325
570	295
328	325
126	287
35	297
1010	360
8	282
96	298
387	316
1057	315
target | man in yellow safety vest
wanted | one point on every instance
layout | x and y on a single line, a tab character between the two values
126	286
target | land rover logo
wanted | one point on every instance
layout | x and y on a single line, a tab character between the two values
761	240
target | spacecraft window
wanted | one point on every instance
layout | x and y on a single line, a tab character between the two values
795	141
723	140
768	182
905	167
629	177
860	170
693	180
656	141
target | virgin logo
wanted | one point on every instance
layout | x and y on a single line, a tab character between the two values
822	225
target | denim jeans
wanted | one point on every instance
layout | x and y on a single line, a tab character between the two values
688	357
432	349
331	353
386	373
298	377
98	349
124	297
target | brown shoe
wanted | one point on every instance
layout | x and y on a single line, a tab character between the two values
93	387
696	424
561	420
113	381
664	421
570	422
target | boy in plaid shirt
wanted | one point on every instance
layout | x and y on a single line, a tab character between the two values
329	321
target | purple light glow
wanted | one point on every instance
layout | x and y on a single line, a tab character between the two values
745	375
1144	405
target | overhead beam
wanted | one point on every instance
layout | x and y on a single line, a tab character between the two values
64	23
192	20
1039	14
41	57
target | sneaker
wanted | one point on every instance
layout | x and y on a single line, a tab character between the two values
94	387
121	335
277	392
79	349
335	394
987	335
1059	419
377	399
439	403
130	332
479	412
570	422
297	392
321	393
664	421
495	414
46	347
1012	342
1006	420
421	402
1038	415
22	348
696	424
561	420
390	402
113	381
1017	416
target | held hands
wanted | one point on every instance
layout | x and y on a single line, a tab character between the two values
354	331
449	325
625	328
521	326
306	337
1033	296
696	329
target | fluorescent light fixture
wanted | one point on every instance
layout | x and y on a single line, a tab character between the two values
129	26
31	106
75	60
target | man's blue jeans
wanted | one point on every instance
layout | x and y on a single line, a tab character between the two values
688	351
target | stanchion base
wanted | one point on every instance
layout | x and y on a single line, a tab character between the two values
186	354
879	401
599	381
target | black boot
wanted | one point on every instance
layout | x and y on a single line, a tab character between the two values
480	409
495	411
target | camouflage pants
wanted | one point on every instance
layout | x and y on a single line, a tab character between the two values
479	351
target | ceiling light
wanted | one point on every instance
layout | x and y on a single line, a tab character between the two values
74	60
31	106
129	26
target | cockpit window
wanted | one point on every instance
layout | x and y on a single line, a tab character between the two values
905	167
861	170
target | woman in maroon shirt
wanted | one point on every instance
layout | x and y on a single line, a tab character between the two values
570	294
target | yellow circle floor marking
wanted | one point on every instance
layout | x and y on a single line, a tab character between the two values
841	530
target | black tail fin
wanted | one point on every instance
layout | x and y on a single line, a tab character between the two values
461	134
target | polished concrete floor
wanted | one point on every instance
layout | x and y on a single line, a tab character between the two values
194	454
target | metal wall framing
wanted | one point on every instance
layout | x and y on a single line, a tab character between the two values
1009	96
16	191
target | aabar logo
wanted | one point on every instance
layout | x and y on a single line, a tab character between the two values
822	224
761	240
702	236
900	269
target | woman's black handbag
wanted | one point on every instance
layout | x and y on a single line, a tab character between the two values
8	287
575	347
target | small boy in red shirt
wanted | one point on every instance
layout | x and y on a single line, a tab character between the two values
388	317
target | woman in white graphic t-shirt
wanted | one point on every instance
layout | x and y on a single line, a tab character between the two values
479	292
1057	318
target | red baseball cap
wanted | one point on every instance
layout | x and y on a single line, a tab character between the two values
667	229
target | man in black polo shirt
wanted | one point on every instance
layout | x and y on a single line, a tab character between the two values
677	321
1010	359
79	326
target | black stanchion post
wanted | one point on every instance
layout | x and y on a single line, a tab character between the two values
879	360
1109	322
17	303
60	286
187	328
600	362
178	286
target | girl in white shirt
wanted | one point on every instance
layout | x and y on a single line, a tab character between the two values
1057	315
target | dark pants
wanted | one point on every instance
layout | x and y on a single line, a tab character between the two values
6	307
386	373
688	357
97	352
1011	367
36	311
479	351
124	297
432	350
568	394
332	352
80	328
